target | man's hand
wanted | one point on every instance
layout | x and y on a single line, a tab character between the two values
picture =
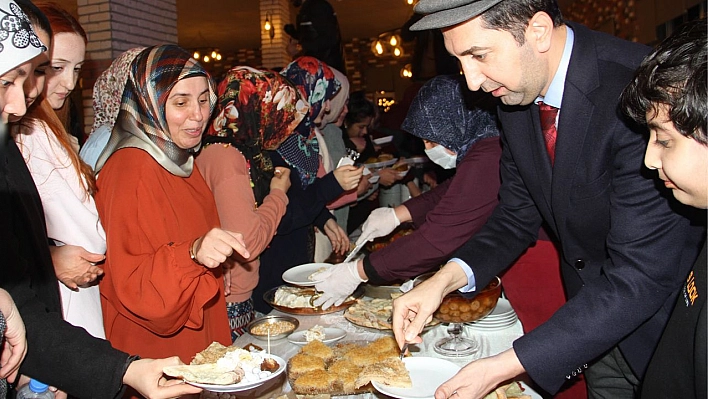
14	347
145	376
212	249
338	282
413	310
74	266
482	376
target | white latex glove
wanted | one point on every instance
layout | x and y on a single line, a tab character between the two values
381	222
339	281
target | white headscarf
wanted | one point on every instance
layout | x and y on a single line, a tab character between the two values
18	42
337	103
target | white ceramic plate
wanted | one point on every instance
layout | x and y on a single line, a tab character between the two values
383	140
243	386
427	374
299	275
503	308
331	335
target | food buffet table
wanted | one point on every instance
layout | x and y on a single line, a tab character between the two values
491	342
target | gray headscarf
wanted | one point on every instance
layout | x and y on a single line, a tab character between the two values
445	112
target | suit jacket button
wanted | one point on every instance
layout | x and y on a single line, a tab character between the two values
580	264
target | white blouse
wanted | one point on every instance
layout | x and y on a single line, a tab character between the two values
70	215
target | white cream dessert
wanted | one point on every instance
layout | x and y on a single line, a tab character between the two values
249	362
316	333
293	297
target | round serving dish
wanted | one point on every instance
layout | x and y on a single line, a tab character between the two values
456	308
381	291
281	325
269	298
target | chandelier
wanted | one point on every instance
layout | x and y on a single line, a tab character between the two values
388	44
207	56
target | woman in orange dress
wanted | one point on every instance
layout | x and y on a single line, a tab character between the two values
163	290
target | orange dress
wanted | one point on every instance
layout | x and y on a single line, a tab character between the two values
156	301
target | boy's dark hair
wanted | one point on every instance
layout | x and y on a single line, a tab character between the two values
359	108
674	74
513	16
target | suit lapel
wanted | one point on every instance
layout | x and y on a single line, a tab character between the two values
574	120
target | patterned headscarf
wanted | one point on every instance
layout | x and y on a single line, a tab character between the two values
108	89
256	111
445	112
141	121
18	42
318	84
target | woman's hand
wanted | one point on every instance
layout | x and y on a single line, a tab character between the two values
212	249
363	187
348	176
281	179
14	347
388	176
145	376
227	279
337	236
74	266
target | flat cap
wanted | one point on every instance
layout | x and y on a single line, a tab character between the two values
445	13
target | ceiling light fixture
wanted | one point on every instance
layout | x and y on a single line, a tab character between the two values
209	55
387	44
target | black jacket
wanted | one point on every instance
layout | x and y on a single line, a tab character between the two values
58	353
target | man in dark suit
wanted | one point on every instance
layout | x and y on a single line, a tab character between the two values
624	250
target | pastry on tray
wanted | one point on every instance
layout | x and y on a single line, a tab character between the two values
347	368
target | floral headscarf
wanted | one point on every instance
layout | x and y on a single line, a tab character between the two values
318	84
18	42
256	111
141	120
444	112
108	89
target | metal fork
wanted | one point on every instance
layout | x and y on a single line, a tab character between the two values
403	350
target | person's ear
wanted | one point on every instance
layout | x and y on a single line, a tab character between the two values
540	31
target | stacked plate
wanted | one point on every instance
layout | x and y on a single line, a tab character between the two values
503	316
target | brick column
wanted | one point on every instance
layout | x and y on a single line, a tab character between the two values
114	26
274	53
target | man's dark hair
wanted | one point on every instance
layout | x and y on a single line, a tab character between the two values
513	16
674	74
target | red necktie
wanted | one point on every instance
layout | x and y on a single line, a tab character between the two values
548	127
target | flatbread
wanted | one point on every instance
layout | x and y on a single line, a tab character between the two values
205	374
391	372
